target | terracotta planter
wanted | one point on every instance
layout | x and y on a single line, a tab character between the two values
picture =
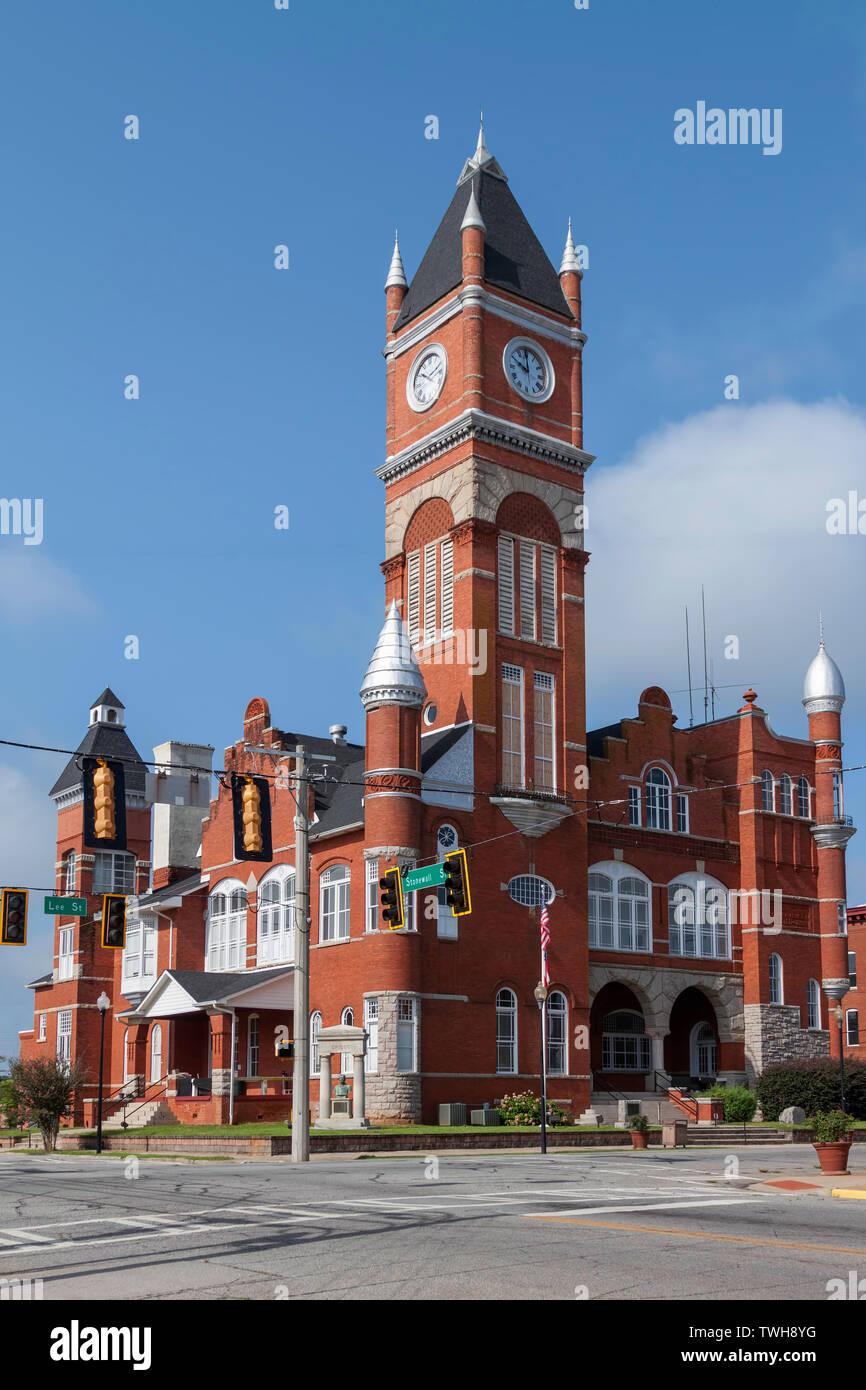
638	1138
833	1157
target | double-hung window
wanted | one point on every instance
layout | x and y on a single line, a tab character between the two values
506	1032
544	716
227	930
65	940
658	800
371	1024
139	954
373	905
512	726
335	886
64	1034
276	919
406	1049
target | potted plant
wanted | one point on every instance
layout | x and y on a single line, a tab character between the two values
831	1139
638	1126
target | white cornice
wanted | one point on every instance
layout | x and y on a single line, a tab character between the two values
477	424
571	335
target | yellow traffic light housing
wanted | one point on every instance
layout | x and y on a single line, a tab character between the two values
13	917
251	809
457	894
391	898
104	804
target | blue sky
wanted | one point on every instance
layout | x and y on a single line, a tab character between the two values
261	388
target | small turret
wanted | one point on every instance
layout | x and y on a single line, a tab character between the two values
396	286
393	675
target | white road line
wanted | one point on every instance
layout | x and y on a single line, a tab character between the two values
16	1234
649	1206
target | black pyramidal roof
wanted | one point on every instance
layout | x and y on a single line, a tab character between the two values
103	741
514	258
108	697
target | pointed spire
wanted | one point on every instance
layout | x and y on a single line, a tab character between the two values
393	676
482	155
396	273
481	160
472	217
570	263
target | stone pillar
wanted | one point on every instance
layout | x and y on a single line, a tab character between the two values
324	1086
657	1043
359	1099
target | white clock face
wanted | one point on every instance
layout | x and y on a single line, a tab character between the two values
528	370
427	378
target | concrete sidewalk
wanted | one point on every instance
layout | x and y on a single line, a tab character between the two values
851	1185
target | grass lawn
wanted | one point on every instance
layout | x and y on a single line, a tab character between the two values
276	1130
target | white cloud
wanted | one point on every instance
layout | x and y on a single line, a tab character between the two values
33	586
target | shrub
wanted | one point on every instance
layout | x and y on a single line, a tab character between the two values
740	1103
813	1085
830	1126
523	1108
10	1104
639	1123
44	1088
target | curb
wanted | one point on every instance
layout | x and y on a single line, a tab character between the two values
854	1192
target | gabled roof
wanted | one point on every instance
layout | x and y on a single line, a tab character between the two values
103	741
194	989
514	258
345	805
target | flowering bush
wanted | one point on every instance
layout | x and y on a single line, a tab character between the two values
523	1108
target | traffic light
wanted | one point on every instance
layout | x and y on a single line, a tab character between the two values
251	807
104	804
114	921
285	1050
457	883
392	899
13	917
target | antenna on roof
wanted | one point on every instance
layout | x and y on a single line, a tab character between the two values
820	627
689	669
706	682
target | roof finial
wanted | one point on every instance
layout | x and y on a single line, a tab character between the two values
820	627
482	154
570	260
396	273
472	216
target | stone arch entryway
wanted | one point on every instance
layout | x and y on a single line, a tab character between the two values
620	1047
692	1044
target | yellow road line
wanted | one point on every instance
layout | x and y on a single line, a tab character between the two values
701	1235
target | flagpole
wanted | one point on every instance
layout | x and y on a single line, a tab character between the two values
541	991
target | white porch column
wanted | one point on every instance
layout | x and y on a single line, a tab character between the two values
324	1086
359	1099
657	1044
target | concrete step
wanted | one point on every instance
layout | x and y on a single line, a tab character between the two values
139	1114
721	1134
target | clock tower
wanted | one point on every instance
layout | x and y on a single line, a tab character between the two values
484	489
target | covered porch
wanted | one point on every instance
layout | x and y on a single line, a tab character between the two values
201	1046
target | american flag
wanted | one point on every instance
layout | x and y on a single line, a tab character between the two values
545	946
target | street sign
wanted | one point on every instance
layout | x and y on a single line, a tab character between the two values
430	877
66	907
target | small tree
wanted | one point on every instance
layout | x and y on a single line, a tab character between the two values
10	1104
44	1088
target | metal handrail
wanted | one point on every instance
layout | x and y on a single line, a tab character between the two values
666	1078
146	1100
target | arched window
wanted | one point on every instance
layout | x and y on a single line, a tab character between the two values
786	795
347	1018
813	1005
506	1032
69	871
776	995
803	799
619	908
624	1043
334	886
557	1033
703	1052
275	924
315	1025
698	917
227	927
446	841
156	1053
768	792
658	800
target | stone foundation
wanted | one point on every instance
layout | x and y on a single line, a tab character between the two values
774	1034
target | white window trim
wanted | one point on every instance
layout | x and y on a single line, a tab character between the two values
774	956
511	1011
617	870
285	936
692	880
234	939
341	916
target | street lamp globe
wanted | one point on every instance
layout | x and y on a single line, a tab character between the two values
103	1003
540	994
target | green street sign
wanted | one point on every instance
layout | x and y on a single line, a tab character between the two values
430	877
66	907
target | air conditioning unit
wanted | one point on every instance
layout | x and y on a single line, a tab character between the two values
485	1117
452	1114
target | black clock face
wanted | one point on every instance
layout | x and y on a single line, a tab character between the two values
526	371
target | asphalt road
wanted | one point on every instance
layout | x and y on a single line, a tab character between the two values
600	1226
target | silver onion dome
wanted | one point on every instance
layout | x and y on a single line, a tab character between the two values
393	675
823	688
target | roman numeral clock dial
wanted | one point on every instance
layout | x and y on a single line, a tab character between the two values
426	377
528	369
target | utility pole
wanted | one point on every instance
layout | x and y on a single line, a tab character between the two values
301	1074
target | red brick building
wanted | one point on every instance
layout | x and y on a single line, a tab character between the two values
695	876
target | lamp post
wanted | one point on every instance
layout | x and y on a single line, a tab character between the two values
103	1004
839	1015
540	999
